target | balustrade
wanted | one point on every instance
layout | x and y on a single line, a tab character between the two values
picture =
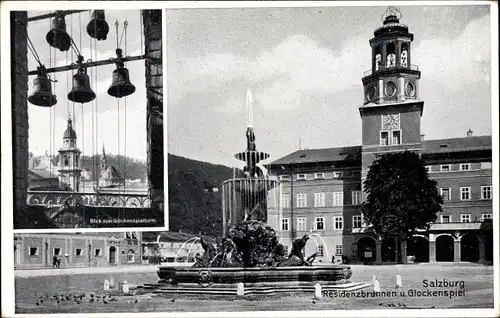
103	199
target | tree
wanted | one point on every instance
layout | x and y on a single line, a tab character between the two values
400	196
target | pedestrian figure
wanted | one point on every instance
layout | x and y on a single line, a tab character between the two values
54	261
58	262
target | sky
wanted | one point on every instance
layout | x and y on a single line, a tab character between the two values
304	67
103	121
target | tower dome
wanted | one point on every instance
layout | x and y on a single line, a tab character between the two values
70	132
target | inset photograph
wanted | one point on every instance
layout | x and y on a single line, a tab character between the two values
98	272
87	119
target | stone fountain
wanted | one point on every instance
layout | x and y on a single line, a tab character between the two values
249	251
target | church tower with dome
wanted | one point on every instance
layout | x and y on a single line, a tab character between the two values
69	161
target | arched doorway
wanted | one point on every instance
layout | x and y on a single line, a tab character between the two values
366	249
469	248
418	246
112	255
444	248
388	250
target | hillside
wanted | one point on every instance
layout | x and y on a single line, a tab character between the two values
191	208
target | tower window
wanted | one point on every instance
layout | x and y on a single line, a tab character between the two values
404	55
378	61
391	55
66	161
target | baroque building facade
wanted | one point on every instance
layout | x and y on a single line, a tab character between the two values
38	250
322	189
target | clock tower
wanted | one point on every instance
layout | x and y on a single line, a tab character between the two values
69	157
391	110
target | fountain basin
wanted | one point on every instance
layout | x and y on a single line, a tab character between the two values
325	274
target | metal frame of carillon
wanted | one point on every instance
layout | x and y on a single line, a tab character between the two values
249	197
83	96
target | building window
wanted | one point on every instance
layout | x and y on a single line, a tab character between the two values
445	168
301	224
465	218
284	224
356	197
338	222
446	193
356	221
319	199
320	250
131	256
97	252
396	137
57	251
319	223
486	192
428	169
319	175
486	216
301	200
445	219
285	177
79	252
285	201
384	138
33	251
301	176
338	198
464	166
465	193
338	249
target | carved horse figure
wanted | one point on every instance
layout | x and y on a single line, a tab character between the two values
209	253
296	257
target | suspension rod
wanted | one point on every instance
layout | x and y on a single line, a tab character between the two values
53	14
90	64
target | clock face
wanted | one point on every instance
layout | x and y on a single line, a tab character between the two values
390	89
390	121
371	92
410	89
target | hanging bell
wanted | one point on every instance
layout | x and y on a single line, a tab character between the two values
81	92
57	36
98	27
41	94
121	86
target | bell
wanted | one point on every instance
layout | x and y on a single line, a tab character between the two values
121	85
81	92
42	90
98	27
57	36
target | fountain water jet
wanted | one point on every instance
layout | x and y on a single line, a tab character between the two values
183	247
325	249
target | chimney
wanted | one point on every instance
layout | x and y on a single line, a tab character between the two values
469	133
422	136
